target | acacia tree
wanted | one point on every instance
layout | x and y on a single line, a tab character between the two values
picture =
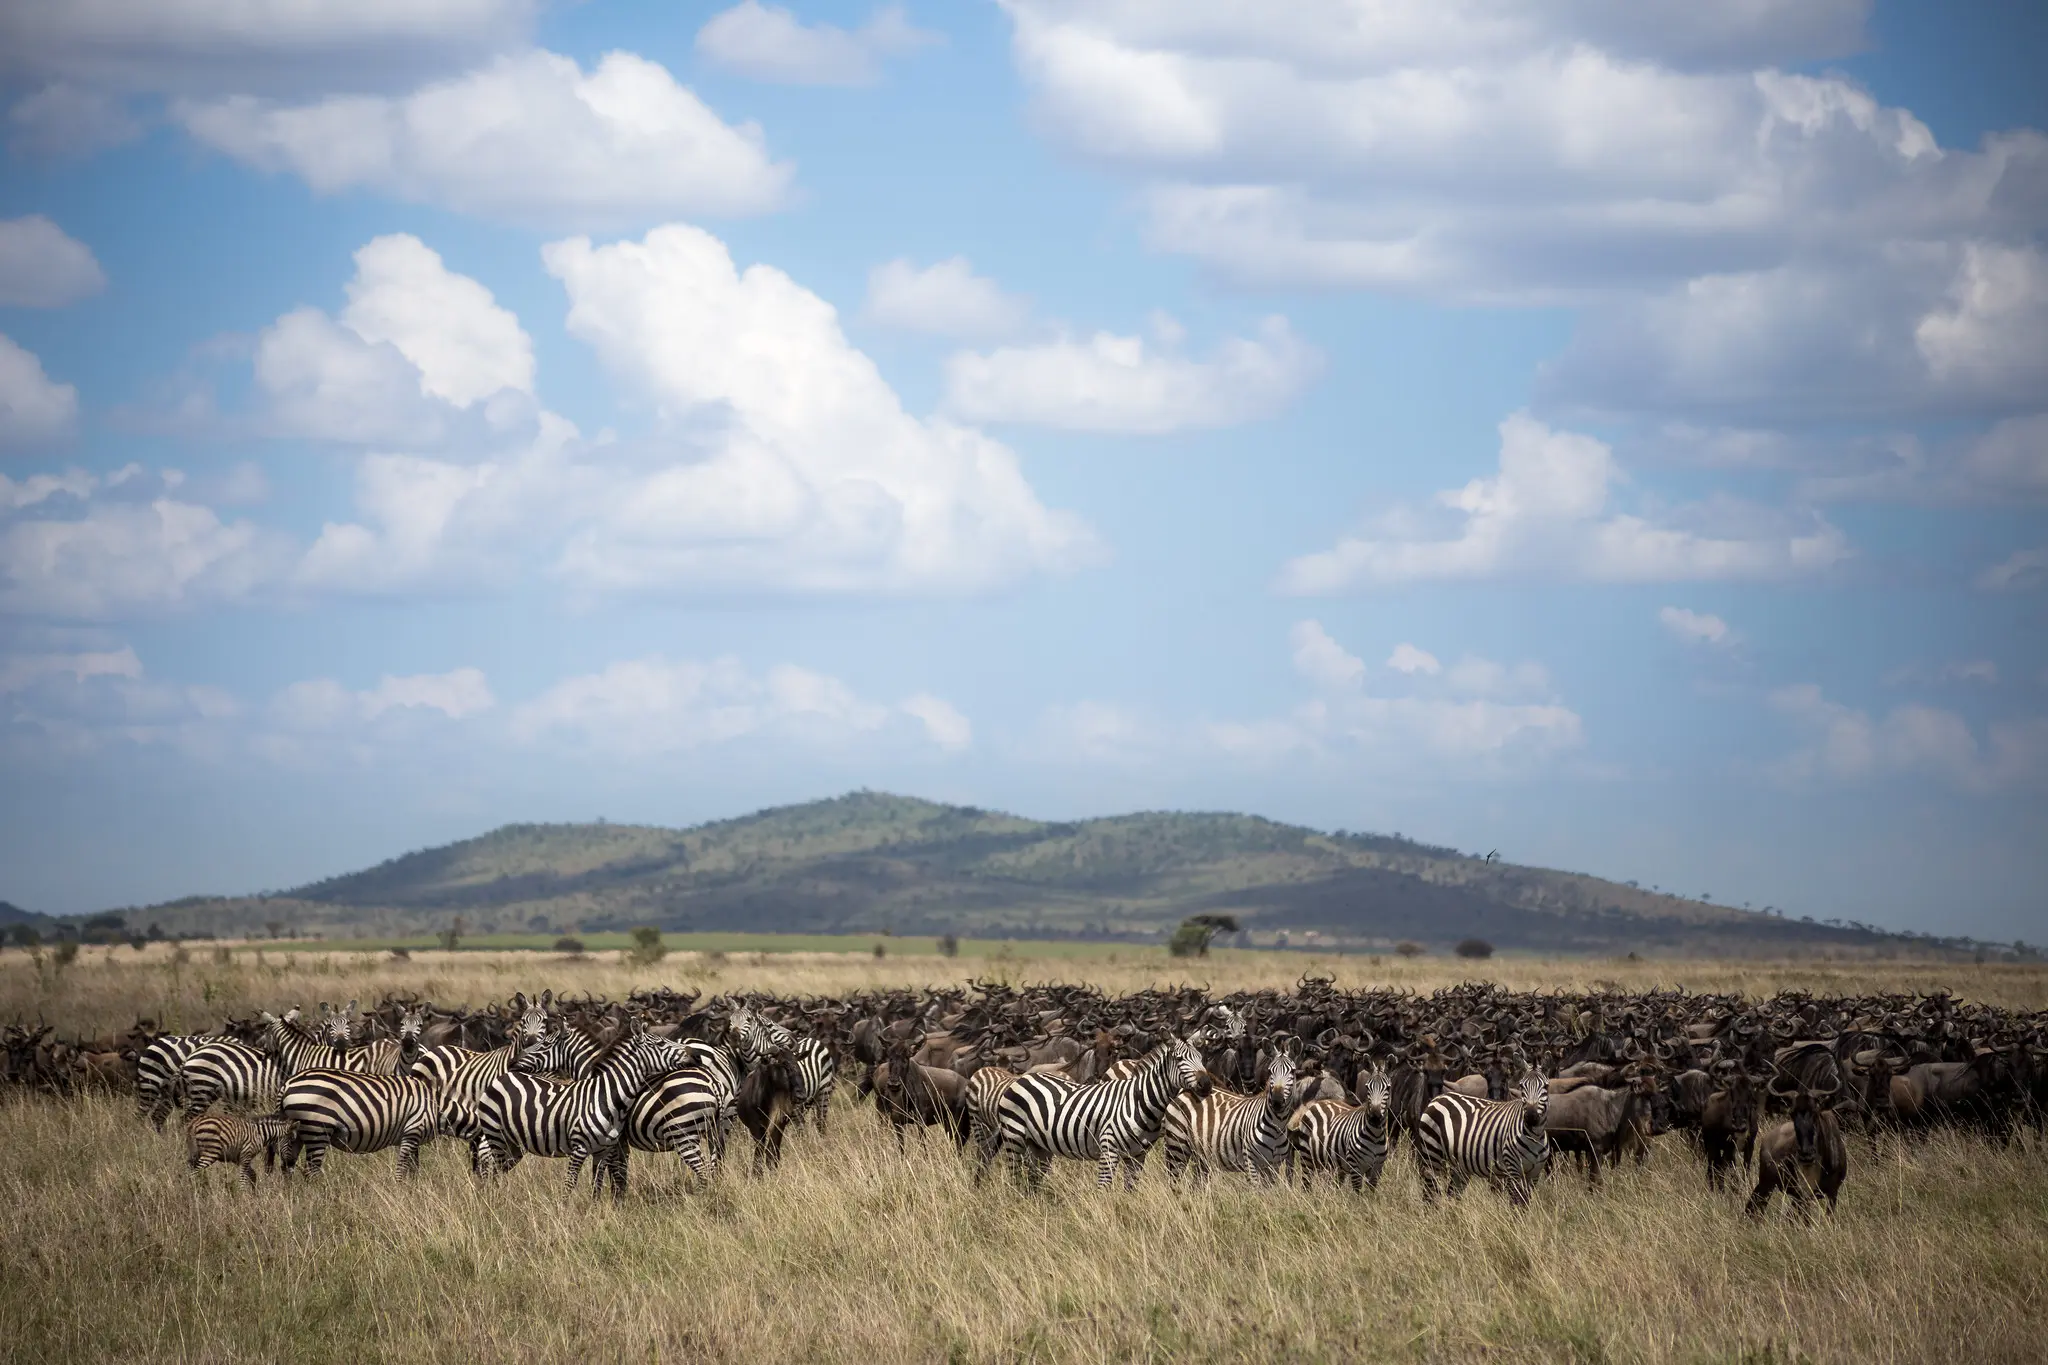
1192	938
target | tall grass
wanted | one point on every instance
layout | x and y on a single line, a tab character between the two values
853	1253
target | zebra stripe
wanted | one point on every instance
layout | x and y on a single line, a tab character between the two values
1501	1141
212	1138
390	1056
232	1075
461	1076
984	1092
1231	1030
160	1075
689	1111
1230	1132
1350	1139
354	1112
1114	1122
523	1114
817	1071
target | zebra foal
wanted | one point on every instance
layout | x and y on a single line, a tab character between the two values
213	1138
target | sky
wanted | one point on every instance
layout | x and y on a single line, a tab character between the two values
1609	432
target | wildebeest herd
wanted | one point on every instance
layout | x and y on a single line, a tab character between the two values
1485	1083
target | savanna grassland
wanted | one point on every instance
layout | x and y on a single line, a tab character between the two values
854	1252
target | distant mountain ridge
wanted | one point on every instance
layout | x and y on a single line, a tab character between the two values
870	861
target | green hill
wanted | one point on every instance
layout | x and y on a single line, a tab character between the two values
871	861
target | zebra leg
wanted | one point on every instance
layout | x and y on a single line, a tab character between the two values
579	1152
409	1155
249	1174
316	1154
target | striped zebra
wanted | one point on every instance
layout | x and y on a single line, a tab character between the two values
690	1111
985	1090
460	1076
1351	1139
160	1075
385	1056
817	1071
351	1111
1501	1141
1229	1132
212	1138
523	1114
1114	1122
235	1075
1231	1030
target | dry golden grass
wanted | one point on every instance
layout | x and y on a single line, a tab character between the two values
852	1252
106	988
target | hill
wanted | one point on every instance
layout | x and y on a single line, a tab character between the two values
870	861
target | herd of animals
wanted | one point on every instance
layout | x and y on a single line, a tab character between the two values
1486	1083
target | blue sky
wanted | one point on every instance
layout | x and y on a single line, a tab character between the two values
1609	433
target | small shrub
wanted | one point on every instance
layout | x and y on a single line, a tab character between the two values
222	956
569	944
949	945
137	942
1408	948
65	953
881	951
1475	948
647	948
451	937
397	955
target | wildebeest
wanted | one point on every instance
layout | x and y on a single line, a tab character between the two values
1728	1125
767	1103
1804	1154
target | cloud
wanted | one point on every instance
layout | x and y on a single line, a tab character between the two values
34	410
196	46
654	706
530	138
66	705
417	346
1321	659
1424	716
323	703
2020	571
947	299
101	548
769	43
799	470
2013	455
1696	628
1098	732
1548	512
1844	745
65	120
41	266
22	671
1115	383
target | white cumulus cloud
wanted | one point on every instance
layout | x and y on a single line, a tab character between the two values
2019	571
1846	745
655	705
769	43
42	266
34	409
799	471
531	137
1119	384
1695	627
1549	511
947	299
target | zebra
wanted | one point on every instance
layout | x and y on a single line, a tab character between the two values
160	1075
1231	1132
353	1111
523	1114
817	1071
985	1090
386	1056
1231	1030
235	1075
1115	1122
1503	1141
694	1102
1351	1139
226	1137
461	1076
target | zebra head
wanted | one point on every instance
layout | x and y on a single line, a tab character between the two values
559	1053
1534	1093
411	1024
1376	1093
337	1024
1183	1064
531	1026
1280	1082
